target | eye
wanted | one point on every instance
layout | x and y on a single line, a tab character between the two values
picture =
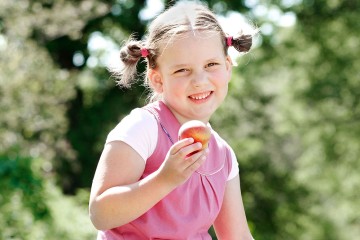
212	64
181	70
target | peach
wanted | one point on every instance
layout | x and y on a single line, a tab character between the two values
197	130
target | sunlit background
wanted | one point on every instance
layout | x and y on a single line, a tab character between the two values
292	114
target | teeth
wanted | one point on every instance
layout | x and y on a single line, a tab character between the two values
200	96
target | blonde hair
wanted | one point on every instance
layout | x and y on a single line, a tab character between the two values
180	18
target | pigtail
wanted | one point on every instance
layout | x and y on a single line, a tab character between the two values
242	42
130	54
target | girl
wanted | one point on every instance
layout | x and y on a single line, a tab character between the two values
147	184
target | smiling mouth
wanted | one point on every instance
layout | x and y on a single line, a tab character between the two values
200	96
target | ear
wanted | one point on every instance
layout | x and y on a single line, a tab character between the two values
229	65
155	80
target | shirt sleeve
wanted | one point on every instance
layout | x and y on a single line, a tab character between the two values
139	130
235	166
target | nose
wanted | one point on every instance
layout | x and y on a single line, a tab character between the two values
199	79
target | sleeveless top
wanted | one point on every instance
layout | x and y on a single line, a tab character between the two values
190	209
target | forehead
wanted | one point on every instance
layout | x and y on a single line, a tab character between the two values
192	46
191	37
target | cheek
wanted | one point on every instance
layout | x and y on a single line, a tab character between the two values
222	79
175	87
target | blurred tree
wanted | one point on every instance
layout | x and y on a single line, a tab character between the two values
293	118
292	114
98	104
331	103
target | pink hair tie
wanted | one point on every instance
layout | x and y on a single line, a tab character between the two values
229	41
144	52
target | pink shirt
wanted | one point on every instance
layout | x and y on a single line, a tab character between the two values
189	210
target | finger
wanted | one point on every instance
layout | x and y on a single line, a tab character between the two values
178	146
189	150
196	163
195	156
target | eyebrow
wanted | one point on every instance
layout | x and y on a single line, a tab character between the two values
182	65
178	66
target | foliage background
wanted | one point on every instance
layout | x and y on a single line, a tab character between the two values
292	114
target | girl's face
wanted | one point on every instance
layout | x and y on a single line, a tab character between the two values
192	75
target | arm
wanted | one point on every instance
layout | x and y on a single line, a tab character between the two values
118	196
231	222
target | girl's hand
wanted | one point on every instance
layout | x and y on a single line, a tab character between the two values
183	158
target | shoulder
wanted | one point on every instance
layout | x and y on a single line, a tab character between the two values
139	130
137	118
230	155
220	141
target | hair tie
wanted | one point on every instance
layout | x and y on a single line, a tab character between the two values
144	52
229	41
